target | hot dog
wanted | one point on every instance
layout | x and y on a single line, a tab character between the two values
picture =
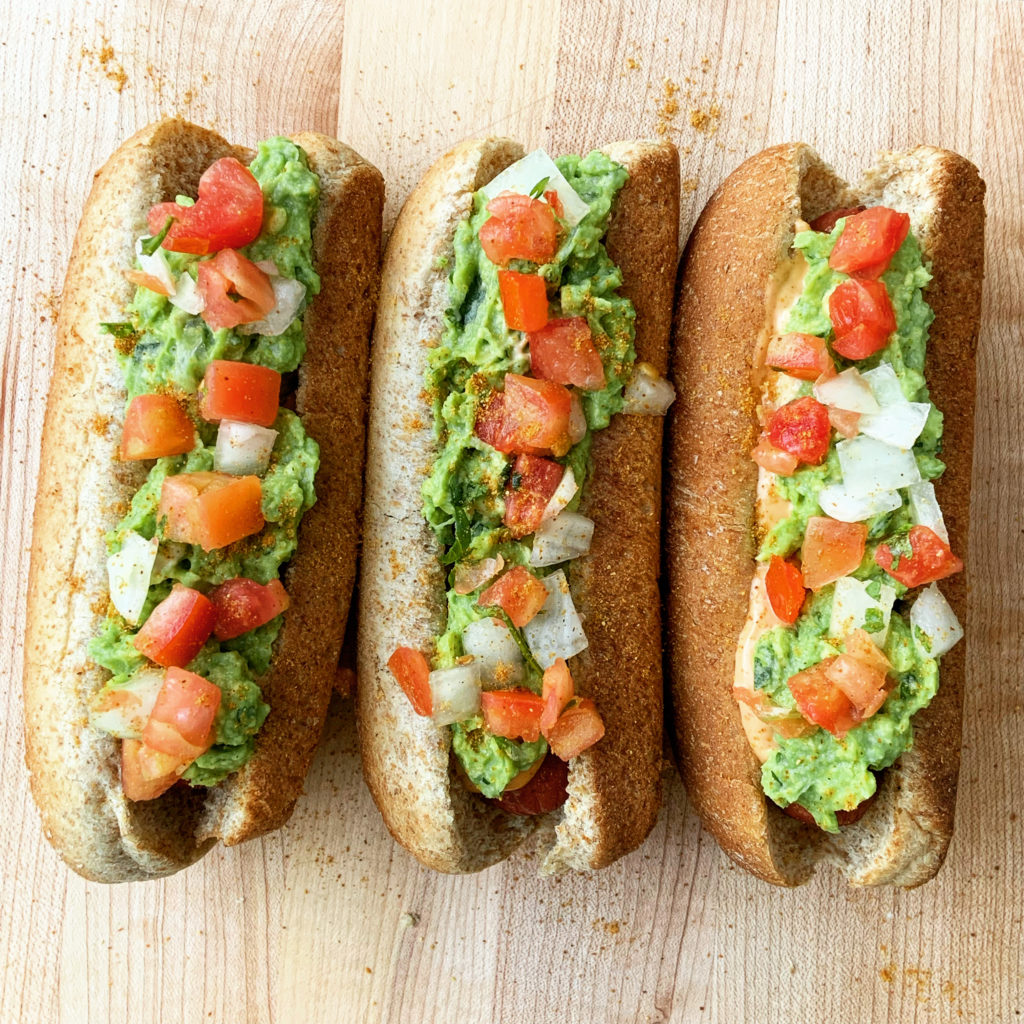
208	395
508	590
820	464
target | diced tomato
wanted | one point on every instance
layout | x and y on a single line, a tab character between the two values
239	391
544	792
831	549
524	299
860	646
530	416
529	490
181	723
177	628
564	351
514	714
931	559
557	691
154	426
864	685
862	317
787	724
822	702
227	215
847	423
579	727
518	593
243	604
554	200
145	773
519	228
410	668
827	221
766	455
144	280
235	290
800	355
785	588
211	509
801	428
869	241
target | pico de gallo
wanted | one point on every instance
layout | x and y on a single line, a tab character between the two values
194	566
846	625
537	353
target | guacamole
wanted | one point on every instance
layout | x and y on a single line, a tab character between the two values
169	352
820	771
463	496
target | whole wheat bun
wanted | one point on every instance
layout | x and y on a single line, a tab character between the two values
84	490
744	232
614	788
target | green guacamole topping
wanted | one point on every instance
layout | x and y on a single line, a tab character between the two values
820	771
170	352
463	496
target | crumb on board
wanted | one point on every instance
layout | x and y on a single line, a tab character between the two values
107	62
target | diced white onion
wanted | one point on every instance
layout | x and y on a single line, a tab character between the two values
933	624
897	421
836	501
556	630
471	575
167	557
848	390
455	693
885	385
155	264
564	493
187	295
494	651
647	393
870	466
289	294
128	573
124	710
559	539
243	448
524	176
924	509
850	604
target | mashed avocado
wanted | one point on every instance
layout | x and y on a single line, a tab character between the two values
463	497
819	771
171	352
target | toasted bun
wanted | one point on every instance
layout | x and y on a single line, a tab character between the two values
614	787
84	490
744	232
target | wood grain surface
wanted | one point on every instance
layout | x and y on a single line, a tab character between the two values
328	920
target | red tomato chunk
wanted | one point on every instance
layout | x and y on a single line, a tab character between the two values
800	355
534	480
518	593
831	549
182	720
211	509
519	228
514	714
154	426
227	215
820	701
578	728
931	559
869	241
524	299
177	628
801	427
564	351
239	391
785	588
862	316
235	290
530	416
410	669
243	604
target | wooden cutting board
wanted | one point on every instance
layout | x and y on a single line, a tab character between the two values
328	920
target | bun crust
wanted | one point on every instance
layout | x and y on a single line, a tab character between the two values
84	490
741	237
614	787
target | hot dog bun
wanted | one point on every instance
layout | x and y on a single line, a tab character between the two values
613	787
740	239
84	488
